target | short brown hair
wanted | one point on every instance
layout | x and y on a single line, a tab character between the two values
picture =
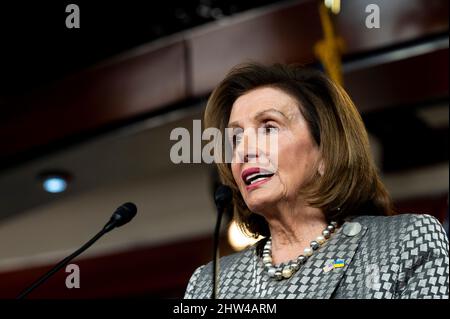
350	185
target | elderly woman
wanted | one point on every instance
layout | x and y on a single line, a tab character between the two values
326	219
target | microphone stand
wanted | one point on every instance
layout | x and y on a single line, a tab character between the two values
121	216
216	267
62	263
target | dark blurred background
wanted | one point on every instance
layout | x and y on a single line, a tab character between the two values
96	106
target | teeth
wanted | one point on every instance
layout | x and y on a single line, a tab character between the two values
251	176
257	177
257	180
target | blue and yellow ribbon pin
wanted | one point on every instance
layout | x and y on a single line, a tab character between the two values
339	263
332	264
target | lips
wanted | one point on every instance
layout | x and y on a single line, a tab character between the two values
255	175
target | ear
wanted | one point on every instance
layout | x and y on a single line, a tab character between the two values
321	168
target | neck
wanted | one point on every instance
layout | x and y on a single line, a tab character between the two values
292	230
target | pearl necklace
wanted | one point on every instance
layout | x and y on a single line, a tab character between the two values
287	270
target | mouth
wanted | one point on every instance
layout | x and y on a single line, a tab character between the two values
255	175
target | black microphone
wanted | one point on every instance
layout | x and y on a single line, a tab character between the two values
222	199
121	216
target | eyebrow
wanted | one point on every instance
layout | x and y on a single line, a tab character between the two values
259	115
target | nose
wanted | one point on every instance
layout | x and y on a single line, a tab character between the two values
248	158
247	150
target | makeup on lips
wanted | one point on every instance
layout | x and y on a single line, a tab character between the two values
255	176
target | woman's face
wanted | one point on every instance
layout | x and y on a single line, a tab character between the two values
269	175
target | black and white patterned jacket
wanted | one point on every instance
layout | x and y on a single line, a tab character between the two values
402	256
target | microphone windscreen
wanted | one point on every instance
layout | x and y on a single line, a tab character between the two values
124	214
223	196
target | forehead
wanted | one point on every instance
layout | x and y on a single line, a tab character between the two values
260	99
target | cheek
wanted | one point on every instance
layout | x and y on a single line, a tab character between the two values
235	169
297	159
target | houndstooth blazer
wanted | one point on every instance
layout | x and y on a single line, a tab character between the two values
403	256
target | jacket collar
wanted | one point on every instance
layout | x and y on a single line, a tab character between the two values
315	281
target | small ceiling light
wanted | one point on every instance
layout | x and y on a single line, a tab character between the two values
237	239
54	182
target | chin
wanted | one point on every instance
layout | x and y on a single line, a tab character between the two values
259	201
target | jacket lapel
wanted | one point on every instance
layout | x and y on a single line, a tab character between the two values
316	280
